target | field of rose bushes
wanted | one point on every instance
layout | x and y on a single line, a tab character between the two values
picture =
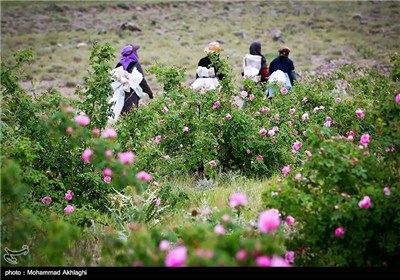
325	157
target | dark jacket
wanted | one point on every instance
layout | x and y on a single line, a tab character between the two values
206	62
284	64
131	98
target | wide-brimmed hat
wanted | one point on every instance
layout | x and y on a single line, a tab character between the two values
213	47
128	49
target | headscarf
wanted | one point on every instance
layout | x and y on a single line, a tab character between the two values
128	55
255	49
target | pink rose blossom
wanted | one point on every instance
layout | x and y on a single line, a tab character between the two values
397	98
277	261
350	136
264	110
68	196
305	100
284	90
292	111
260	158
290	123
339	231
96	132
47	200
271	132
275	128
216	105
158	202
225	218
69	130
263	261
263	132
107	179
248	152
305	117
108	153
212	163
360	113
364	140
308	153
286	170
69	209
69	109
164	245
228	117
86	155
160	121
155	183
269	221
276	117
126	157
219	230
241	255
237	200
386	191
185	129
157	138
82	120
290	220
251	97
167	157
165	110
297	176
243	94
107	171
328	119
297	145
176	257
109	133
338	100
327	124
289	257
144	176
365	202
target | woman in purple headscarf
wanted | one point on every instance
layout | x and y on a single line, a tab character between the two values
129	60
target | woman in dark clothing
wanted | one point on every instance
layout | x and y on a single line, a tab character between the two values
129	60
254	64
284	63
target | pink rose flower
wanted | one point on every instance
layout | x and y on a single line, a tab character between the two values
185	129
289	257
264	110
386	191
157	138
297	176
365	202
82	120
107	179
109	133
277	261
212	163
364	140
397	98
68	196
69	130
219	230
144	176
86	155
126	157
237	200
327	124
69	209
338	100
263	261
241	255
107	171
216	105
360	113
260	158
251	97
286	170
176	257
297	145
248	152
164	245
305	100
284	90
339	231
290	220
225	218
96	132
158	202
292	111
165	110
228	117
47	200
108	153
269	221
263	132
308	153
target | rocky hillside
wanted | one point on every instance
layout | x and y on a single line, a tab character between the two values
321	34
